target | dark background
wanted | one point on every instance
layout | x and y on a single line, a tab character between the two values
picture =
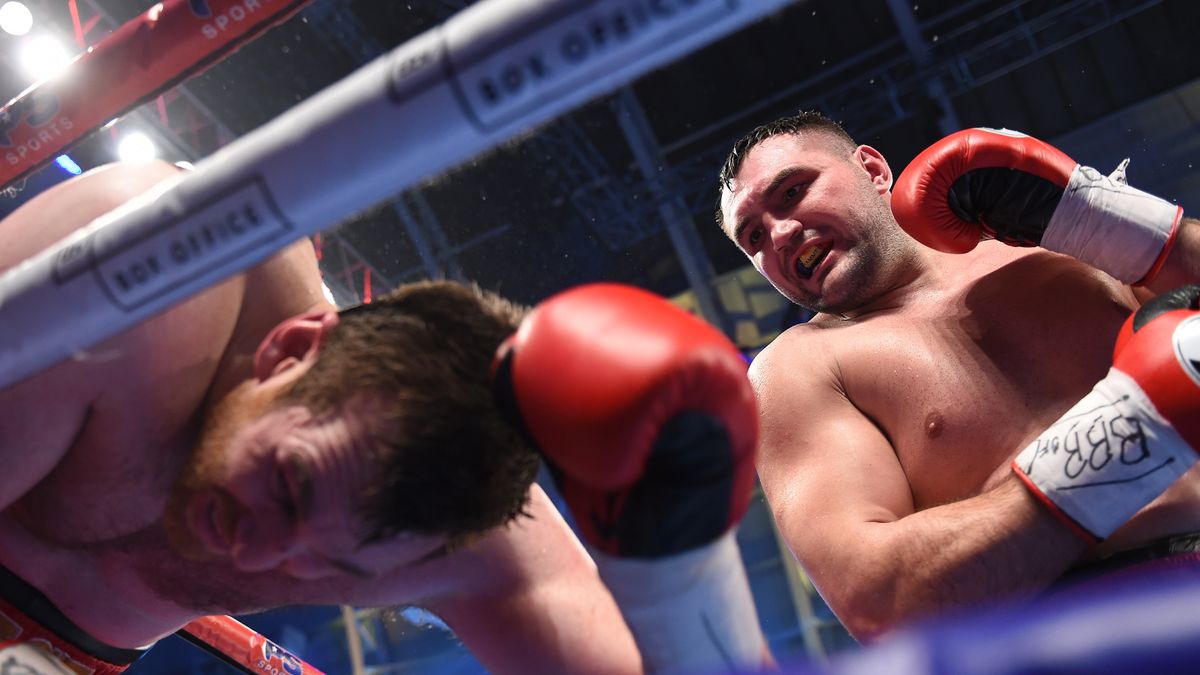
567	204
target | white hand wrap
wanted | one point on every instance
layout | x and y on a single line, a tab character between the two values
1111	226
1107	457
689	613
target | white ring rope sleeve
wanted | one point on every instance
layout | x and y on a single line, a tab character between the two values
492	71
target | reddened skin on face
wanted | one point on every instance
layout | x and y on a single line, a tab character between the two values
813	217
295	338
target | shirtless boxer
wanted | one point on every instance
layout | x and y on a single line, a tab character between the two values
890	421
280	501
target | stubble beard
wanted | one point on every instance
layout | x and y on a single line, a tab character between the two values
183	570
203	469
165	558
863	274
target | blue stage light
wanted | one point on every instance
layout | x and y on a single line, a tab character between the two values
67	164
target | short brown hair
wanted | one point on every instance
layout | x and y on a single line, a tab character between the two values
450	464
792	124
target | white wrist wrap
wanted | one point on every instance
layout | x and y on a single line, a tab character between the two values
690	613
1107	457
1109	225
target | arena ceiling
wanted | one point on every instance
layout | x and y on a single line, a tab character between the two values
569	203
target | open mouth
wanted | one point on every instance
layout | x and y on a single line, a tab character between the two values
809	259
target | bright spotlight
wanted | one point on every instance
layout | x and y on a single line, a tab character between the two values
15	18
43	56
136	147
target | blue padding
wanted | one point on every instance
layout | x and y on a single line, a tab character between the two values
1148	623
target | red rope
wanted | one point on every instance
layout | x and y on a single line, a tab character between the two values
74	6
242	647
132	65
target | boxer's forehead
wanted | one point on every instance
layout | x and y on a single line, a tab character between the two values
768	164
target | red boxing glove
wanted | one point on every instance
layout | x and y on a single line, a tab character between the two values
1170	377
1138	430
644	413
1016	189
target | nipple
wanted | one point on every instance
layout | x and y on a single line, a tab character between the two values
935	424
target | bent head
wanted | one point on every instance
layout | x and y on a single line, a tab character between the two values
366	441
810	208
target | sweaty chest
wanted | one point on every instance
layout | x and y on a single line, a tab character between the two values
959	393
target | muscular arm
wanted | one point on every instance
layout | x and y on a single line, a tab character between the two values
845	508
528	600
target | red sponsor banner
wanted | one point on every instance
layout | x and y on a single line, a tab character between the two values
243	647
172	41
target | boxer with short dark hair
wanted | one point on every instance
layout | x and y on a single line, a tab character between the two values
922	443
252	448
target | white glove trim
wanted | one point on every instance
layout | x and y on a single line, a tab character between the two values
1107	457
689	613
1111	226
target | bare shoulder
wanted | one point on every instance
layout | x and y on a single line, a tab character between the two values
809	417
800	356
145	383
70	205
170	352
797	382
533	550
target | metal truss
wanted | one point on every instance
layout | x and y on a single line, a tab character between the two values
871	99
869	93
347	273
606	201
177	119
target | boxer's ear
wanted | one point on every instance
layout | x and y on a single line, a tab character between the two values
876	167
294	341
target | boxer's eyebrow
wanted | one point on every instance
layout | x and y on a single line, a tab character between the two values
781	177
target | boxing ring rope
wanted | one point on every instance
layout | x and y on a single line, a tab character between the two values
145	57
1128	624
495	70
489	73
240	646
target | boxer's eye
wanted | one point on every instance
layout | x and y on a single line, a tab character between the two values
754	237
293	485
795	190
281	491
